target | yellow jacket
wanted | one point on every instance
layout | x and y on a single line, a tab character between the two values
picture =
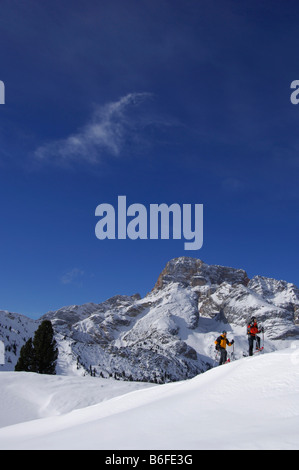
222	341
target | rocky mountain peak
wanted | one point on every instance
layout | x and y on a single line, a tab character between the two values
194	272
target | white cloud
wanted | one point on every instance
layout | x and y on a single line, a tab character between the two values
73	276
106	133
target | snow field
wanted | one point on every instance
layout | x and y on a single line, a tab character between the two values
252	403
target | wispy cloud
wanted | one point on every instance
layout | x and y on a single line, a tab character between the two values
74	276
106	133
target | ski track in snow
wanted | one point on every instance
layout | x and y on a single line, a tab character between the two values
252	403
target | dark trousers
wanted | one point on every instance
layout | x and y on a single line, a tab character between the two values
223	356
250	342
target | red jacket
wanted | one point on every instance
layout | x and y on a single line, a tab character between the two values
253	329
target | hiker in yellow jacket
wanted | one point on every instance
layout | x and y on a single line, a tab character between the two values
221	343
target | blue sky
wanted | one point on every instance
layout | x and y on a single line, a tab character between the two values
175	101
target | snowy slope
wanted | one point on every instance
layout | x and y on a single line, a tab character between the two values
25	396
15	330
252	403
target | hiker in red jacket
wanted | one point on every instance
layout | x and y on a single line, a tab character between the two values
252	331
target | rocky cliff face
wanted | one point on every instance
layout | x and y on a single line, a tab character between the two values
194	272
169	334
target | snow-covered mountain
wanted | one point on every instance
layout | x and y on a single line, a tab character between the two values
169	334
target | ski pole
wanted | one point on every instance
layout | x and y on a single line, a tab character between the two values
216	356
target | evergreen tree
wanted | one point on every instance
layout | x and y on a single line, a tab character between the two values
26	359
45	350
40	354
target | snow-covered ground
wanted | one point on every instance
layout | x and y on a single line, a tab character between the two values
252	403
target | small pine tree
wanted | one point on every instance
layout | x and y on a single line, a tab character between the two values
40	354
26	359
45	350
